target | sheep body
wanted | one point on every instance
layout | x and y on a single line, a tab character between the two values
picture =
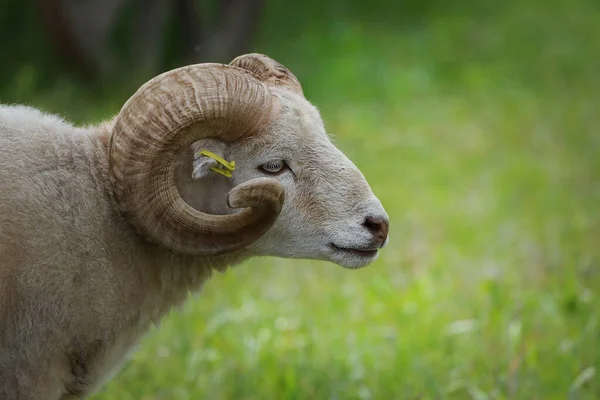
109	284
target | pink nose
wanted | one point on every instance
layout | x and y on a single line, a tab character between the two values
378	226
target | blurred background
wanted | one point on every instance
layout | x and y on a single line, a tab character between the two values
475	121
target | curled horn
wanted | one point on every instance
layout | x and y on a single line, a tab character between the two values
168	114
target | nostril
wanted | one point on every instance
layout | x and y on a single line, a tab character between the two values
377	225
373	223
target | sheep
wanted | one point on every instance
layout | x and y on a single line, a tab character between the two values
105	228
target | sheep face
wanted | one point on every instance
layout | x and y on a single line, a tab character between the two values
329	213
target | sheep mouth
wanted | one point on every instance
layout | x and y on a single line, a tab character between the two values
356	251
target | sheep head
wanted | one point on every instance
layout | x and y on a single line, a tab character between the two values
292	193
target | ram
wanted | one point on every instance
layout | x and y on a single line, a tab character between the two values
105	228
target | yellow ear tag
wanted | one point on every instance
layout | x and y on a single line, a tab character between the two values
228	167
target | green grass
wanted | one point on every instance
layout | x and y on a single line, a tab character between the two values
477	127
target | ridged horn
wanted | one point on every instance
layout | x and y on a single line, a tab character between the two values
166	115
269	71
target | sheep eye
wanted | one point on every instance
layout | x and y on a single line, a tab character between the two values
273	167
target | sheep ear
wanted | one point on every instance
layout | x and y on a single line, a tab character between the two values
207	153
202	167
